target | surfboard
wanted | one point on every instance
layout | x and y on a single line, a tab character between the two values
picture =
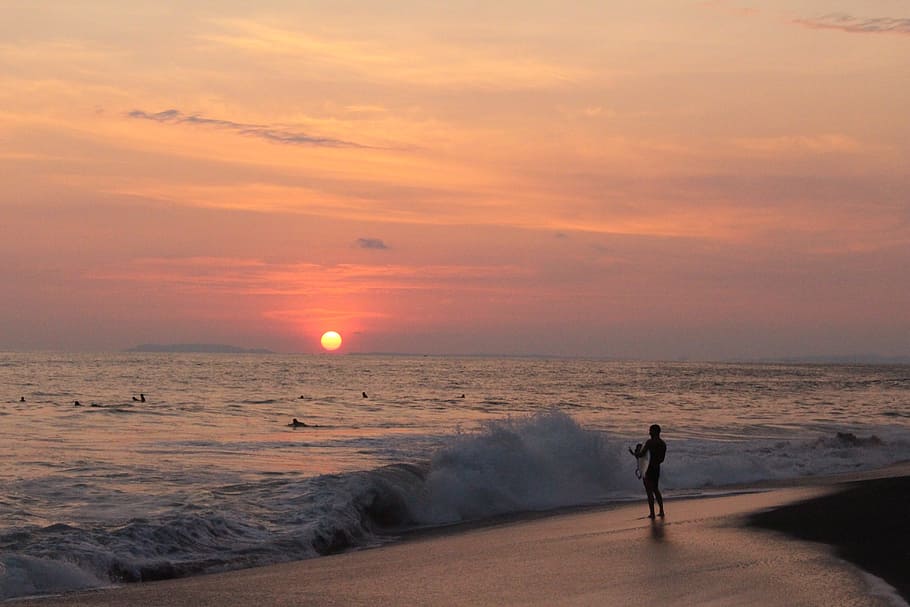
642	465
641	462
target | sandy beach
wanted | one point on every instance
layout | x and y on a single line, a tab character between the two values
864	522
708	551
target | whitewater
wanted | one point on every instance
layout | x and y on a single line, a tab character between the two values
207	475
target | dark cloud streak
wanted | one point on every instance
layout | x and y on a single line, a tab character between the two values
371	243
858	25
261	131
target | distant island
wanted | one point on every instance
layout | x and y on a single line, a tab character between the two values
198	348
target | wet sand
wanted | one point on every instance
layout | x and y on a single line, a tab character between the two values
866	522
708	551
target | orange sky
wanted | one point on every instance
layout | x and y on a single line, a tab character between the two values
708	179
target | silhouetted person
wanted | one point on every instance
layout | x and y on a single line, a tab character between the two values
76	403
657	449
364	394
141	398
297	424
22	399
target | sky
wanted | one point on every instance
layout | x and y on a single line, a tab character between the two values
703	180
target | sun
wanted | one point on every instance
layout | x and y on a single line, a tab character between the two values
330	340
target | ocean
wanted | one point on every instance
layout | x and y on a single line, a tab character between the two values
207	475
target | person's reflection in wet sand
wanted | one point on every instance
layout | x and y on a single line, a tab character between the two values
657	531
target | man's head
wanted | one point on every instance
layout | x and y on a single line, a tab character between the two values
654	430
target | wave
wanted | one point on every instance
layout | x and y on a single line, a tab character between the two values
532	463
698	464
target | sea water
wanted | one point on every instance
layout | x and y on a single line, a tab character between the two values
206	474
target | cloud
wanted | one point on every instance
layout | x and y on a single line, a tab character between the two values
253	277
799	144
371	243
858	25
440	60
729	7
266	132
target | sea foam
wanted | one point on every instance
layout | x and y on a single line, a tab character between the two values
537	462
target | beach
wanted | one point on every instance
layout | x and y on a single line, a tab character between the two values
708	551
864	521
519	493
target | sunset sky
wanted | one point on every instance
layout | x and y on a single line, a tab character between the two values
658	179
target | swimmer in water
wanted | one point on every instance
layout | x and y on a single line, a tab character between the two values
141	398
297	424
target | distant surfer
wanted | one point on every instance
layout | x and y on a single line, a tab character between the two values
76	403
297	424
656	449
22	399
141	398
364	394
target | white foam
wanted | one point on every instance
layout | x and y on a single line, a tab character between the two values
23	575
880	588
529	463
694	464
543	461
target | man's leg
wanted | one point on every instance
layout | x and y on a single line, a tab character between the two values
649	489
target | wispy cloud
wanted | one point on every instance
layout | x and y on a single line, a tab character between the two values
261	131
254	277
730	7
858	25
799	144
371	243
436	63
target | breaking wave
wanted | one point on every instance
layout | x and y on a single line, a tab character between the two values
535	463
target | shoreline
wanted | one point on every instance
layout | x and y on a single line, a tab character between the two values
878	545
709	550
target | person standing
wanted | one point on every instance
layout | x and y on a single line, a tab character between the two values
656	448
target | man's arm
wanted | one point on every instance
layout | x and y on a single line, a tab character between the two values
638	451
